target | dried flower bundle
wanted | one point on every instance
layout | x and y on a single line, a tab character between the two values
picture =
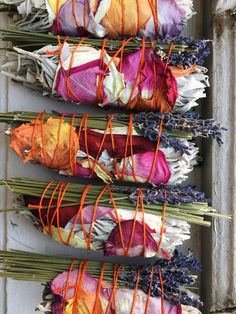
157	76
124	221
95	287
102	18
154	148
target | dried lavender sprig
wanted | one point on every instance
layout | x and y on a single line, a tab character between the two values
186	59
149	125
167	140
174	195
176	274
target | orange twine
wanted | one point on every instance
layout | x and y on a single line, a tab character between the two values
138	78
105	70
42	138
99	286
162	222
74	13
78	286
101	77
39	207
135	292
58	141
154	8
162	292
67	285
149	291
57	16
81	272
165	69
138	17
67	73
113	294
123	16
32	152
85	14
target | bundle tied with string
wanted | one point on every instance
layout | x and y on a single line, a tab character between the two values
76	286
119	221
113	18
103	297
133	74
130	148
118	8
140	81
69	141
115	147
78	226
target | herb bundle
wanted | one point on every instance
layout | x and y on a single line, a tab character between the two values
117	220
137	148
133	74
72	284
111	18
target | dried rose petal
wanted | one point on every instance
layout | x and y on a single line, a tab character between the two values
114	243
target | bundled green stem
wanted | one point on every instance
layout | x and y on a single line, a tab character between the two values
93	121
32	40
177	273
192	213
28	266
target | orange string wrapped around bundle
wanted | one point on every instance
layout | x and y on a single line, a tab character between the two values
101	301
140	81
133	74
115	18
56	144
115	220
127	237
77	286
151	148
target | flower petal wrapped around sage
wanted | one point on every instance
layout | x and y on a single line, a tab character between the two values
137	148
77	286
111	18
117	221
142	80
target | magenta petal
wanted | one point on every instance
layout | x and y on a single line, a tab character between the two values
168	83
57	305
88	212
114	242
81	85
59	283
143	165
83	172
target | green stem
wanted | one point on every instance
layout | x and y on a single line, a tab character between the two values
32	40
94	121
192	213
